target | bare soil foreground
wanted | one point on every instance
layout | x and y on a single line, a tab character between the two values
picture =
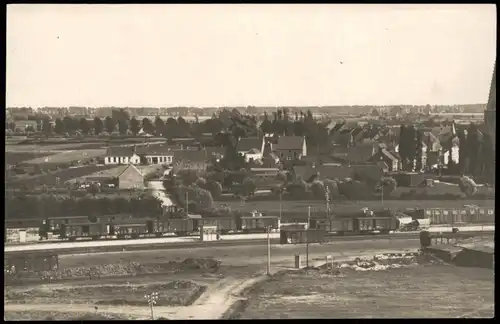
376	290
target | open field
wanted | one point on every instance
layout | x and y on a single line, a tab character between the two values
51	315
69	156
174	293
53	147
63	175
422	291
18	157
272	208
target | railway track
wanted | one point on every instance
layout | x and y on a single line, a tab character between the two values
330	239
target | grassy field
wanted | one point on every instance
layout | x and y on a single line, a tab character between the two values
69	156
63	175
61	316
52	147
423	291
272	207
18	157
174	293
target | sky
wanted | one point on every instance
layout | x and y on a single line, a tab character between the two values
239	55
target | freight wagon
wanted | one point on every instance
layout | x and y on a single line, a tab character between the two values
459	216
84	230
259	223
178	226
358	225
224	225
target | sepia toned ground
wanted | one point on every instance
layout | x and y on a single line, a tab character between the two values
438	291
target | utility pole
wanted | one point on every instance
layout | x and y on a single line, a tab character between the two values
281	195
187	204
382	195
307	236
268	251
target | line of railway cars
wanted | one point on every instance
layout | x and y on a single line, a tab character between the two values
468	214
125	226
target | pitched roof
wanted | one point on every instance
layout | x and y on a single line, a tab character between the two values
120	151
154	150
191	155
358	153
248	143
105	174
290	143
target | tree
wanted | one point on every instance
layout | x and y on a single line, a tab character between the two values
266	126
122	126
215	188
467	187
187	177
135	126
418	153
201	182
462	151
84	126
388	185
69	125
183	127
98	125
147	126
318	189
12	126
46	126
297	189
332	186
159	126
248	187
59	126
109	124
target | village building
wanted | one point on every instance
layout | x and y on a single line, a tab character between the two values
290	148
251	148
138	155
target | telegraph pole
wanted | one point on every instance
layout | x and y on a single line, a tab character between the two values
268	251
307	236
187	204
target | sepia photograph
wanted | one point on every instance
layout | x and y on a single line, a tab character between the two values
249	161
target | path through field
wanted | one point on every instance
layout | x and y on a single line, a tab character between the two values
212	304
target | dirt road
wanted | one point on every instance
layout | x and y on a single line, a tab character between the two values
248	256
212	304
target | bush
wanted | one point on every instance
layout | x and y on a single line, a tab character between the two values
318	189
297	190
248	187
333	187
215	188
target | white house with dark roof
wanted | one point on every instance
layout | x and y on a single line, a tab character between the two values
291	147
251	148
121	155
138	155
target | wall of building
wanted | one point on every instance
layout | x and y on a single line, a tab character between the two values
131	179
135	159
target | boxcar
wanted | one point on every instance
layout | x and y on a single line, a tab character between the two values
223	224
84	230
130	230
259	223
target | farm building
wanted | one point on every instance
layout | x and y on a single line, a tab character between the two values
127	176
291	147
154	154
